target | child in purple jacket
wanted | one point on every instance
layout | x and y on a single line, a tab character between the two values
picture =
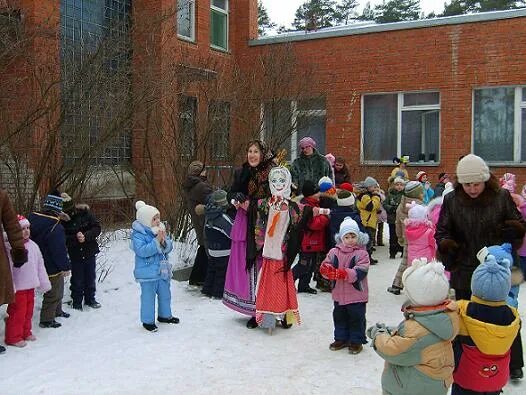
26	278
347	265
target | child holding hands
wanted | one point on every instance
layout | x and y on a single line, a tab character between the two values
347	264
152	271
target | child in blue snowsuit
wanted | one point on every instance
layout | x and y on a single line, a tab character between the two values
152	271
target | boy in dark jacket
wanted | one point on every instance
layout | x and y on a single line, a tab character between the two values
392	200
345	208
488	327
218	225
82	231
313	243
49	234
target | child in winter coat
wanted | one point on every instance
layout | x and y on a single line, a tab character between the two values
392	200
218	225
418	354
419	234
345	208
26	278
413	191
152	271
368	202
347	265
313	242
488	327
48	233
422	178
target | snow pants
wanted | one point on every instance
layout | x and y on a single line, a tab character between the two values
149	290
83	280
18	324
215	277
349	323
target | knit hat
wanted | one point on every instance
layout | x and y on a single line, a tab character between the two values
443	177
420	175
23	221
145	213
472	168
425	284
507	181
349	225
413	189
344	198
330	157
218	198
399	180
307	142
53	203
491	280
195	168
309	188
347	186
325	183
416	211
404	159
370	182
67	202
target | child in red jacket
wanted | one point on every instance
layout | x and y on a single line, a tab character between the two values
313	243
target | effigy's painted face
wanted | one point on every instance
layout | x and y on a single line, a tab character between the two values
280	181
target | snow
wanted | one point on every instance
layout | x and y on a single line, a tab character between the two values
107	351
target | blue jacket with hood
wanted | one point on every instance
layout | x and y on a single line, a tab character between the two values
148	253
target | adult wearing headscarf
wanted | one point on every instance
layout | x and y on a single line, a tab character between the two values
196	190
310	165
250	184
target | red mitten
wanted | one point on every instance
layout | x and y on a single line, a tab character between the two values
328	271
341	274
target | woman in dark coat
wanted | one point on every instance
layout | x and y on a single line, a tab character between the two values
197	189
477	214
250	184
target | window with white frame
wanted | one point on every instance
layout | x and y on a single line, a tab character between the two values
285	122
219	24
395	124
186	19
499	124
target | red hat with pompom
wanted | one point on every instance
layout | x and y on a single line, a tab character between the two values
23	221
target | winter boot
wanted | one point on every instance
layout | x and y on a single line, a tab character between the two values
77	306
2	349
150	327
394	290
355	348
94	304
19	344
63	314
516	374
50	324
338	345
171	320
251	324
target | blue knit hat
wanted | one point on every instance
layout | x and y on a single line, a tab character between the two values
491	280
53	203
325	183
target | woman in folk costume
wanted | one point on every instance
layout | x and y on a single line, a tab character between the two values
250	184
278	233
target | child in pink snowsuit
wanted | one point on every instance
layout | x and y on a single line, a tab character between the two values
419	234
26	278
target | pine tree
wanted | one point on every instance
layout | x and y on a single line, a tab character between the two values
498	5
397	10
315	14
345	12
264	22
367	13
460	7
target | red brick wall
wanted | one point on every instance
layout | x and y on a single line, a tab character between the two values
452	59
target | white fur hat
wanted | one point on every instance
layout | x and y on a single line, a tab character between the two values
349	225
145	213
416	211
425	284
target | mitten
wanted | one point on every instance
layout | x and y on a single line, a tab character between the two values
19	256
328	271
341	274
374	330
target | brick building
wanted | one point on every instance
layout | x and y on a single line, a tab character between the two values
431	89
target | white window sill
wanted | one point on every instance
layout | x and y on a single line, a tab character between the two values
187	39
220	49
411	164
506	164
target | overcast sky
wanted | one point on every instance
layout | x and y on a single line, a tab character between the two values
282	11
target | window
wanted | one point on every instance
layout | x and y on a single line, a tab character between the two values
219	129
219	24
396	124
286	122
186	19
187	126
499	124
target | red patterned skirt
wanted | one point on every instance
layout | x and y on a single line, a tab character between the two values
276	294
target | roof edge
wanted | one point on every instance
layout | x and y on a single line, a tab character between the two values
351	30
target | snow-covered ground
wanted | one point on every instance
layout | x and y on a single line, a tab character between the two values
107	351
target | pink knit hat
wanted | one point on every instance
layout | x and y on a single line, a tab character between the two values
307	142
23	221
